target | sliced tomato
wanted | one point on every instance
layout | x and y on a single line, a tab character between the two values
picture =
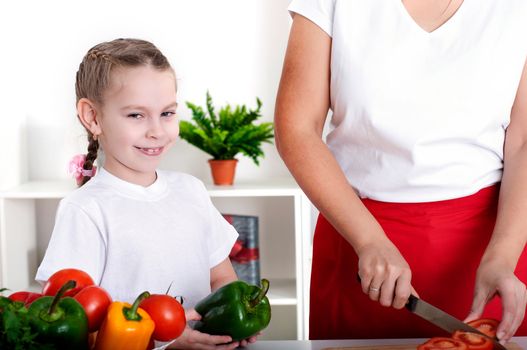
487	326
473	340
443	343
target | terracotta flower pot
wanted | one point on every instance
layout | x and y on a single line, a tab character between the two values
223	171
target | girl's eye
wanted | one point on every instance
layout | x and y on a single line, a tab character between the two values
135	115
168	114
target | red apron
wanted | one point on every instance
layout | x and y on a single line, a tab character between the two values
441	241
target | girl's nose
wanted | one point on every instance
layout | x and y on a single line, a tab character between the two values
155	129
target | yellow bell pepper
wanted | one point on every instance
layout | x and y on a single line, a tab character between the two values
126	327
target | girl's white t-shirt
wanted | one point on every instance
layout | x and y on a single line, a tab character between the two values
131	238
420	116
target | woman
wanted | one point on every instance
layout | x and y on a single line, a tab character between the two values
421	182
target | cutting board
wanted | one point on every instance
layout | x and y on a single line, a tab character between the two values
510	346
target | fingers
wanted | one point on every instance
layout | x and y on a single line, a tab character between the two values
250	340
230	346
390	288
365	281
491	281
403	289
514	300
193	339
192	315
374	289
481	297
203	338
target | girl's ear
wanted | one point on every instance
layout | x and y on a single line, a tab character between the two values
88	116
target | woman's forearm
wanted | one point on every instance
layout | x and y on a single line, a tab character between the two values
510	232
319	175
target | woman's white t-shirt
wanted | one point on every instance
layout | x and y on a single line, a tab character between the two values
131	238
420	116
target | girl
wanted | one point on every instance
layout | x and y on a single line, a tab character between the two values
424	166
132	227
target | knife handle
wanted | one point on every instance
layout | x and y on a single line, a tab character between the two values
411	303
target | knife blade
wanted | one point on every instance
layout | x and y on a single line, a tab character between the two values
443	320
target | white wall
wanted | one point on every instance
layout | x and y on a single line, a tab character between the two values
234	48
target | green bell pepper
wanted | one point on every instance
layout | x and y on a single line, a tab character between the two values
59	321
237	309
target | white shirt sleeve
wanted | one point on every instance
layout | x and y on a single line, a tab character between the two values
76	242
319	12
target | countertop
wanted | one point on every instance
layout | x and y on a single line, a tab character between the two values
322	344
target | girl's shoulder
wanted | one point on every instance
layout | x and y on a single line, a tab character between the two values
183	181
88	194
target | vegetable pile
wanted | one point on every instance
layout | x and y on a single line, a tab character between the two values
73	313
461	340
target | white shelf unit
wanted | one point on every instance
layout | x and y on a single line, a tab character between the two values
21	207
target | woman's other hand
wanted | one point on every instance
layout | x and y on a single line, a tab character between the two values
494	277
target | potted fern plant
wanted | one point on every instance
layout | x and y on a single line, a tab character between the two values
225	134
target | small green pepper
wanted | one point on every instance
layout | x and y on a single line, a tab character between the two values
237	309
59	321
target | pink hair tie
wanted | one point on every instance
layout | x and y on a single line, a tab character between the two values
75	168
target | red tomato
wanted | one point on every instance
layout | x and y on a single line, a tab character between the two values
58	279
95	301
473	340
487	326
168	315
441	343
26	297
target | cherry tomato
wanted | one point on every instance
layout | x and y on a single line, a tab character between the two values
168	315
26	297
487	326
95	301
58	279
439	343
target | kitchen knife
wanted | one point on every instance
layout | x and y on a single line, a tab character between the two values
443	320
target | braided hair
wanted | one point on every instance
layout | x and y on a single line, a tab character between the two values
94	74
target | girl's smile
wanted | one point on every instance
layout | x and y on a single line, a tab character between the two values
151	151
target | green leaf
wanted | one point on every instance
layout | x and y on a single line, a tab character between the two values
15	328
210	108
